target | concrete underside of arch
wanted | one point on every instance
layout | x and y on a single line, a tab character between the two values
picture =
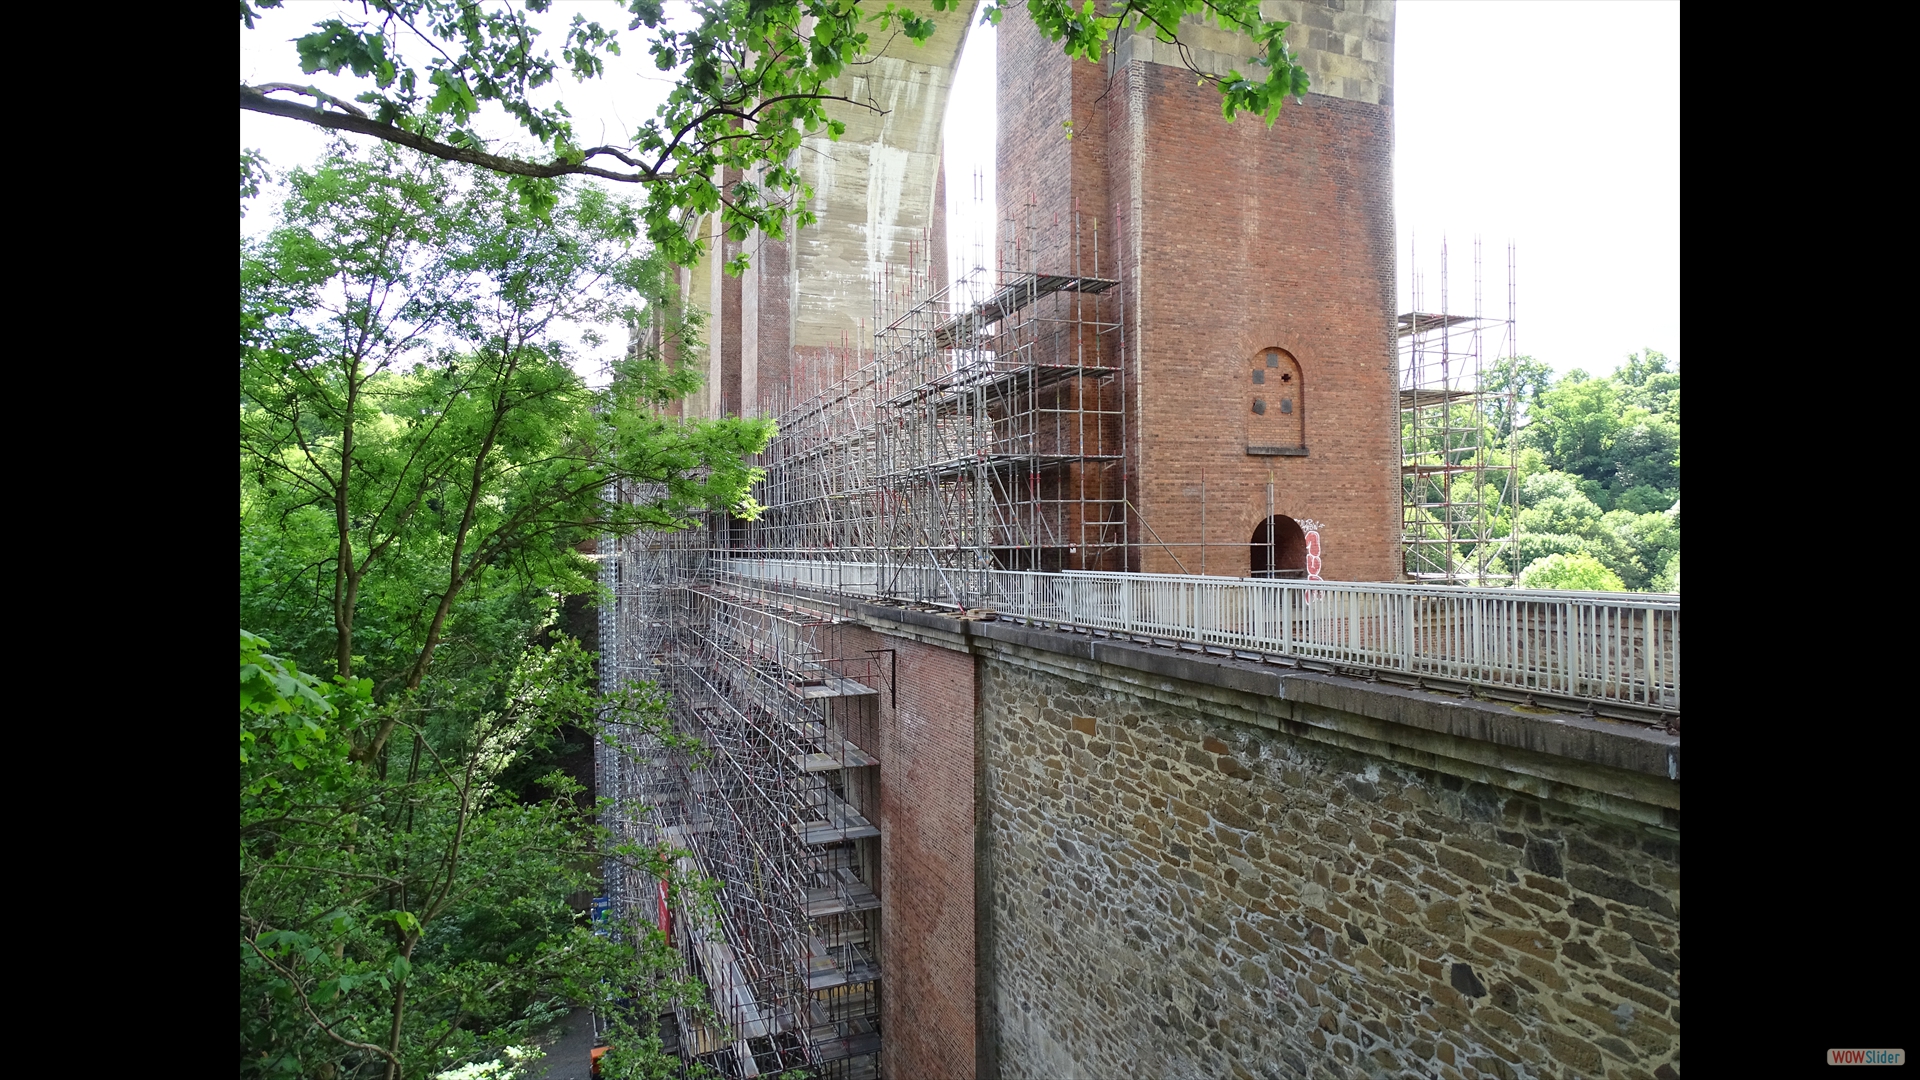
803	314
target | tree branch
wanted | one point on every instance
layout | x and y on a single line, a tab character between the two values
307	1005
253	99
313	92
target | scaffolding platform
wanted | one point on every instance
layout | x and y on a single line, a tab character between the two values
830	966
1004	303
836	821
814	685
828	752
838	892
842	1041
944	393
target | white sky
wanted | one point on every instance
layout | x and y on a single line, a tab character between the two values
1555	125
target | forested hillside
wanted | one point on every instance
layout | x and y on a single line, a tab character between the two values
421	465
1598	462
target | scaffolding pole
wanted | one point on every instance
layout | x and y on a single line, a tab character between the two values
1460	496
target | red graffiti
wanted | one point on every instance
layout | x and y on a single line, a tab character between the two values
1312	529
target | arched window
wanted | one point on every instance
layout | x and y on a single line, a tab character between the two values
1276	405
1278	548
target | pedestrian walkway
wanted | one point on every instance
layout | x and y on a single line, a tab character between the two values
570	1055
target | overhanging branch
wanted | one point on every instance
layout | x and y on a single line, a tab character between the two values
254	100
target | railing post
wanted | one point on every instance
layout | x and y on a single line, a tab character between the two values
1286	619
1673	669
1407	601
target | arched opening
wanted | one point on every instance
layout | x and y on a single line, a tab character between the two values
1278	548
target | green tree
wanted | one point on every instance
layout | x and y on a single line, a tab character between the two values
1599	461
410	420
1620	435
403	921
1553	502
1557	517
753	80
1668	579
1526	379
1577	571
420	464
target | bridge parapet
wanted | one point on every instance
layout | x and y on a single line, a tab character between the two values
1595	650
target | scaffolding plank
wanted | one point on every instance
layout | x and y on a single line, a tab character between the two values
833	820
820	685
838	1047
815	833
831	753
824	900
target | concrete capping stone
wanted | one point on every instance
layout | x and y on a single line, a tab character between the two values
1331	45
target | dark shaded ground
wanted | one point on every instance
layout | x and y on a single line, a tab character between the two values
571	1055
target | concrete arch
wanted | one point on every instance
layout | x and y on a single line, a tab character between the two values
876	189
878	201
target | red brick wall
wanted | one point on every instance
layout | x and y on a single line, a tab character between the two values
1243	239
1253	239
926	749
772	284
726	329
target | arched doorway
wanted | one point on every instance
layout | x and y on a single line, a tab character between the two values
1278	548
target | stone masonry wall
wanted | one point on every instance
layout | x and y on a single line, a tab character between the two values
1176	894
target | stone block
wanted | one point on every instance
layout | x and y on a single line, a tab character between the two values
1639	995
1539	970
1525	939
1647	977
1461	865
1618	888
1569	1050
1546	885
1508	906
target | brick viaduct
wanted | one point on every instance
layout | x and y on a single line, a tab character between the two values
1103	859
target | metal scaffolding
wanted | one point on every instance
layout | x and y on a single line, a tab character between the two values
772	799
986	431
1460	504
983	430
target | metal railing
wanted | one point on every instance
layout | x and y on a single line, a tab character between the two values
1606	647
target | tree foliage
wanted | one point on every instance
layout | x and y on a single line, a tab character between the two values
1597	463
406	919
1577	571
1620	435
420	465
1600	466
411	422
753	79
